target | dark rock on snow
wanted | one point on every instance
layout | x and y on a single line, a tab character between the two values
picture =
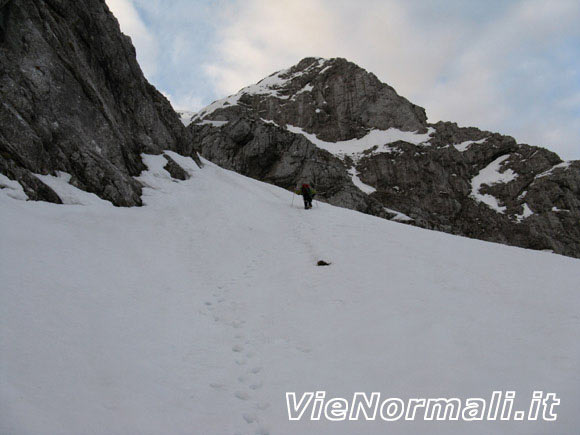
174	169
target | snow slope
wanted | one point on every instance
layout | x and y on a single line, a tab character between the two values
196	313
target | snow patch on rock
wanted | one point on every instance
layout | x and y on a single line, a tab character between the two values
400	217
374	138
563	165
307	88
464	146
358	183
491	174
526	213
213	123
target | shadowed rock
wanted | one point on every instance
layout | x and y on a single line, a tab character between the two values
174	169
74	99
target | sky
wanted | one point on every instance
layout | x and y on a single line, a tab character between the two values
511	66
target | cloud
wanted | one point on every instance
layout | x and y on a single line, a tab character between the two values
379	35
144	41
508	78
511	67
504	67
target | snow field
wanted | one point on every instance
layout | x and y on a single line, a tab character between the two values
198	311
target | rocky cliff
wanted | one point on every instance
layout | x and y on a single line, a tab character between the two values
73	99
331	123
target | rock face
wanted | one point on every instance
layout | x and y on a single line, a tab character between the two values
331	123
270	153
74	99
336	99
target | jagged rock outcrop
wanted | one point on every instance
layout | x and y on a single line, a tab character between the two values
336	99
73	99
364	147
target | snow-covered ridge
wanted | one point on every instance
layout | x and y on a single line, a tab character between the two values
271	86
490	175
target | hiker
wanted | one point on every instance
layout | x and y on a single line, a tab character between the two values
307	193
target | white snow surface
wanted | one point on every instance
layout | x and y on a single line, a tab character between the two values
198	311
355	147
490	175
12	188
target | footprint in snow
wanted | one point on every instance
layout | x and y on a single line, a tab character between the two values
217	386
242	395
262	406
250	418
256	385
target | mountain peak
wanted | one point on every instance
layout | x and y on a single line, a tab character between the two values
367	148
332	98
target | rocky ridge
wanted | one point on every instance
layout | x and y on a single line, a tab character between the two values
365	147
74	99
